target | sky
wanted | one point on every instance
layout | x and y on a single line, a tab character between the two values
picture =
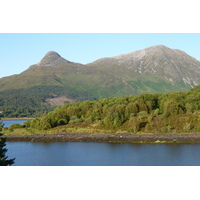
20	50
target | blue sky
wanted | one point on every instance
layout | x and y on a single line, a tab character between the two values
20	50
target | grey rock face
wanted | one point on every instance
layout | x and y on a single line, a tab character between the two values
159	61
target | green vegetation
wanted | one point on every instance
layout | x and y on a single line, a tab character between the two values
4	161
175	112
31	102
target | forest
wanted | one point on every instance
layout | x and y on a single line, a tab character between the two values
172	112
31	102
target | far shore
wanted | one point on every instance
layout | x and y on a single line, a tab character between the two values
22	118
107	137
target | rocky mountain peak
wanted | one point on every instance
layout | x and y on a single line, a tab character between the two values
52	59
159	47
52	54
127	58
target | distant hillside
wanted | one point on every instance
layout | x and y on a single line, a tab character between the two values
154	69
151	70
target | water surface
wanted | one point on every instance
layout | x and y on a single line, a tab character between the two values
103	154
7	123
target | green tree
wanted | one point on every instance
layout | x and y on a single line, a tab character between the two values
4	161
45	123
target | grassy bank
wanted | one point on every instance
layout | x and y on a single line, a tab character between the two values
91	128
95	132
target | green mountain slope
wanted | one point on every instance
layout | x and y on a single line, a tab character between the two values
154	69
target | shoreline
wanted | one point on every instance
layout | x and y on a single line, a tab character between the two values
10	119
105	137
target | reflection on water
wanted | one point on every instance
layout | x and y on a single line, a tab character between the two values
103	154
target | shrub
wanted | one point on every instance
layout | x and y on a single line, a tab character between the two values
166	128
75	121
197	128
142	114
62	122
27	124
156	112
133	124
5	128
13	126
187	127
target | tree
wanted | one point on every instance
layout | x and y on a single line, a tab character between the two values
3	158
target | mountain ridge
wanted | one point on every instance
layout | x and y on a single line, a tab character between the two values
156	69
159	61
154	48
170	62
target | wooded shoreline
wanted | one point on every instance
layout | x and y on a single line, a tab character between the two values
107	137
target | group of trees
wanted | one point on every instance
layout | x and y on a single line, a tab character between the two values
31	102
4	161
134	112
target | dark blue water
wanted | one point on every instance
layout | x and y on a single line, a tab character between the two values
7	123
103	154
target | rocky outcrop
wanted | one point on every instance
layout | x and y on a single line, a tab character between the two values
52	59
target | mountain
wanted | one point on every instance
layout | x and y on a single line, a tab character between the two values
55	80
52	59
154	69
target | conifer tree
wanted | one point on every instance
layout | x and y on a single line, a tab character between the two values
3	158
